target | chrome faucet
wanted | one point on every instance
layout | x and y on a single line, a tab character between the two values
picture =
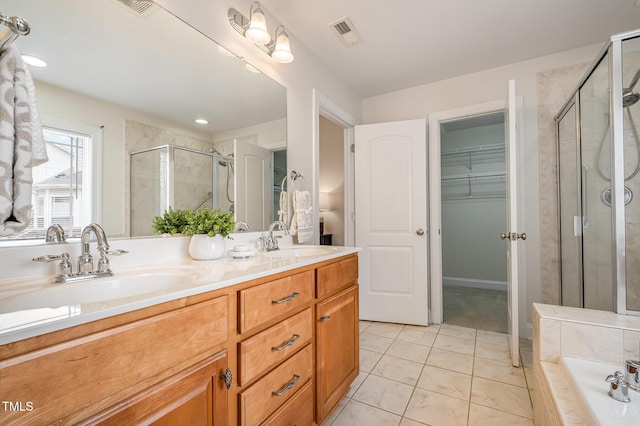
85	269
619	389
270	242
55	234
85	261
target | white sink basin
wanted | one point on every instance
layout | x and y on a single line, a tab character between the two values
301	251
104	289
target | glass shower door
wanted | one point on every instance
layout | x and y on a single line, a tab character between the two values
595	156
570	212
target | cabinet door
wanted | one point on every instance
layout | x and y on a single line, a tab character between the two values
193	397
337	349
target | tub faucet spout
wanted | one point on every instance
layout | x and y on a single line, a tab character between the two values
631	370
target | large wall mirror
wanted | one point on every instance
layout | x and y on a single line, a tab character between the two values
119	99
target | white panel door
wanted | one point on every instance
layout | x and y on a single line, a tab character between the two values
253	185
391	221
512	236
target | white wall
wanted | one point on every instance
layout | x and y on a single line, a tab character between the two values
486	86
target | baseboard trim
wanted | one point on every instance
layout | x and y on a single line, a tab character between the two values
474	283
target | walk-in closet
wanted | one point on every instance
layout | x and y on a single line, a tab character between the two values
473	216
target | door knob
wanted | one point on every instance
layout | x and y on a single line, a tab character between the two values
513	236
420	232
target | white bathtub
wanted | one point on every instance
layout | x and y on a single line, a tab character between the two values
588	382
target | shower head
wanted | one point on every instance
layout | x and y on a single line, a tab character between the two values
629	98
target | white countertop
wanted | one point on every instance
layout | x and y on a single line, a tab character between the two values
21	317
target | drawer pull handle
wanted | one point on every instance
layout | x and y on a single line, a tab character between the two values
287	387
286	299
289	343
325	318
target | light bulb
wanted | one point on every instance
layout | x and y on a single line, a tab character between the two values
257	31
282	52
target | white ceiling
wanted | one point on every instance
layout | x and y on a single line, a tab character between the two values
412	42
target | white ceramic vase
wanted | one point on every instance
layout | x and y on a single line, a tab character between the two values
204	247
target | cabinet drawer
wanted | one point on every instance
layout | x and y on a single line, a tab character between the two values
264	302
267	349
273	390
108	362
336	276
297	411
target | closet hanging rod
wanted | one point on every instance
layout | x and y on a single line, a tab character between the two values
492	175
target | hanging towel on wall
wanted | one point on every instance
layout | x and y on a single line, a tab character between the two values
302	220
18	135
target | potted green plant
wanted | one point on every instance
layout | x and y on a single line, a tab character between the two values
171	222
207	229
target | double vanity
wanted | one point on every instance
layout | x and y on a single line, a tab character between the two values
271	339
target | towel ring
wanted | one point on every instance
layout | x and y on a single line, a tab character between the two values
295	175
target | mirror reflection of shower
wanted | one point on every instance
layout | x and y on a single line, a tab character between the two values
227	162
629	99
170	176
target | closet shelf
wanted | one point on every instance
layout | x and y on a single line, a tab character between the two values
473	149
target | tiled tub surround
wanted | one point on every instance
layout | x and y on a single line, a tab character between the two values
585	334
143	253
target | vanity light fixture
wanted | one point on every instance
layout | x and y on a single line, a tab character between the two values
279	48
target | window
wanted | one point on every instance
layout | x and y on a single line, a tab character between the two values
62	187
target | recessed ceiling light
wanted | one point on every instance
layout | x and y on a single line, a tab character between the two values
34	61
201	121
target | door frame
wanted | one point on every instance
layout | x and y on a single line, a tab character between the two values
323	106
434	188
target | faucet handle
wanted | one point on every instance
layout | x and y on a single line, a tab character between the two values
47	258
619	389
64	267
117	252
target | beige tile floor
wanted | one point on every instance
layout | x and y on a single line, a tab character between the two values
437	375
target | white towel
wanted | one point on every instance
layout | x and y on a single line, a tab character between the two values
16	143
302	220
283	213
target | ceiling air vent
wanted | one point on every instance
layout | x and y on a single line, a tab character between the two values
346	32
138	6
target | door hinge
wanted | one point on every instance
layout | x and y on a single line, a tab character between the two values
353	147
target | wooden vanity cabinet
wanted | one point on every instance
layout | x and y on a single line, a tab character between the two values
289	340
196	396
337	334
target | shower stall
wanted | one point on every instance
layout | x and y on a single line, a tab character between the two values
181	178
599	182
